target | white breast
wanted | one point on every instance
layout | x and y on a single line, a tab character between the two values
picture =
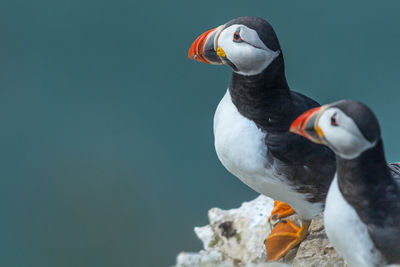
347	233
241	148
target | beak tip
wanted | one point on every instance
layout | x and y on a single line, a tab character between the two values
294	127
191	53
200	48
300	124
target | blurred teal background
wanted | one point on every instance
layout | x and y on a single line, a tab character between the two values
106	141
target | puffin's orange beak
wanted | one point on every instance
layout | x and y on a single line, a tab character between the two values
204	48
306	125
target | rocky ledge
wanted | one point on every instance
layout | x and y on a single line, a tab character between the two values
236	238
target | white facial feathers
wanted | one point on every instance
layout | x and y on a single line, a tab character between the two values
345	138
250	56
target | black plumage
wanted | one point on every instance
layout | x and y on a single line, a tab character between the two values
266	99
372	188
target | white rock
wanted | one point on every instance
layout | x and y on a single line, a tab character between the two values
233	237
236	238
204	259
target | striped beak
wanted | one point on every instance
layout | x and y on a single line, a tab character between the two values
306	125
204	48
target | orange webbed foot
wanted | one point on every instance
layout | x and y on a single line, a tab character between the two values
284	236
280	210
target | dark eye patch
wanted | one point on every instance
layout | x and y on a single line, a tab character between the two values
334	120
236	37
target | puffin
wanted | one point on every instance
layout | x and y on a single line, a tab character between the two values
251	128
362	212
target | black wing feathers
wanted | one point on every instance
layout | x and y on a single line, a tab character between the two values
294	149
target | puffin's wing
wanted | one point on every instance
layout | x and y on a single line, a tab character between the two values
386	233
395	170
295	149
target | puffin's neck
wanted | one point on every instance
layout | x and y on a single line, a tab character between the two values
263	98
366	182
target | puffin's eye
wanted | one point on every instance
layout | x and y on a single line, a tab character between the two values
236	37
333	120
